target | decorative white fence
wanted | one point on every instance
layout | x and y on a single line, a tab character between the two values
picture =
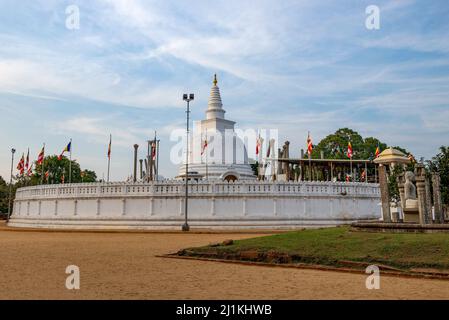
212	204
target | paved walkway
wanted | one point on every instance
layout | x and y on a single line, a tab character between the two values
125	266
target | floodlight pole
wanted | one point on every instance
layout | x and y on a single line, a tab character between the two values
187	98
10	184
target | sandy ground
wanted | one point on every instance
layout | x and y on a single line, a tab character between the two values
124	266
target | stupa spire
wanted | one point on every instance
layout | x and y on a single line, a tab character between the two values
215	106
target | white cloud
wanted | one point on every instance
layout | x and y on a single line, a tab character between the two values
97	130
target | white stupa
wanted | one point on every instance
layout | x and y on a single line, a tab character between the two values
225	157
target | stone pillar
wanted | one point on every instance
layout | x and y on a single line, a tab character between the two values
136	147
400	181
141	168
437	203
421	192
428	201
286	154
280	167
384	193
332	170
272	145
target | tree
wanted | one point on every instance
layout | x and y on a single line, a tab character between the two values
335	146
4	193
58	171
440	164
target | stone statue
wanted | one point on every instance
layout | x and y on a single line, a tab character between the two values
409	187
410	198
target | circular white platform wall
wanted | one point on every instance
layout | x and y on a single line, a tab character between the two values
220	205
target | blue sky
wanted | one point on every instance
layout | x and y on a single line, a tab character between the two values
291	65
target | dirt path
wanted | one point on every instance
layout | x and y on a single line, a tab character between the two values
124	266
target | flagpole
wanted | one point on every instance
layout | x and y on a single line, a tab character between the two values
156	154
70	163
109	154
43	158
148	162
153	151
207	151
157	160
375	167
350	158
350	162
310	157
27	166
153	156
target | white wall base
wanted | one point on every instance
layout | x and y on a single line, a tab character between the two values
214	205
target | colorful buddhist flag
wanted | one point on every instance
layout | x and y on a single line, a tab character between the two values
309	144
350	153
20	165
68	148
40	157
377	152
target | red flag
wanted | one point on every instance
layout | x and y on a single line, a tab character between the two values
30	170
153	150
40	157
20	165
204	146
269	148
309	144
258	145
47	173
349	150
377	152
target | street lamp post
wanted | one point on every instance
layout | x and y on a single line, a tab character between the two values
187	97
10	184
